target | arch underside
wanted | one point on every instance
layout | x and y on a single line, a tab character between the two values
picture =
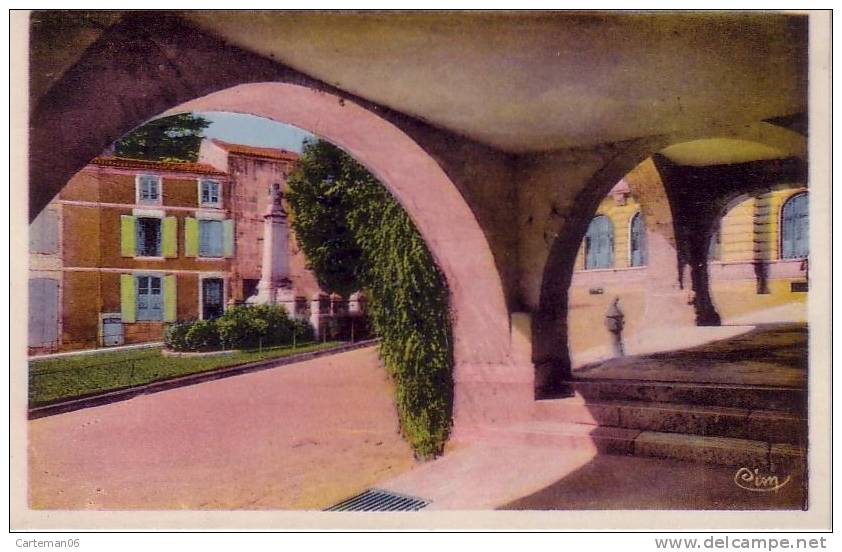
694	201
134	74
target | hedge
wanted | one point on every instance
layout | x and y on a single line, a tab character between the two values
239	327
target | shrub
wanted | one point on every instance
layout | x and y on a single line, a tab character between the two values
238	327
202	336
303	330
275	326
175	335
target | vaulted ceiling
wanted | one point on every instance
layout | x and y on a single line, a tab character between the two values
516	81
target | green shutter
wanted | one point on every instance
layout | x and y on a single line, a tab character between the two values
169	241
191	237
170	299
127	236
228	237
128	305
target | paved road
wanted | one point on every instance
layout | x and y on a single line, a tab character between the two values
299	436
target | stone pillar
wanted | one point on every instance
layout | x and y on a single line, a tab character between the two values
694	200
668	302
319	312
338	306
356	303
762	217
706	314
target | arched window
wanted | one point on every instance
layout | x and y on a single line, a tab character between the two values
637	241
599	244
795	235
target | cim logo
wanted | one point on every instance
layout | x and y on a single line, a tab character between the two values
752	480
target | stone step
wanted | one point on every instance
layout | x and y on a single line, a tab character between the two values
723	451
720	421
567	436
752	397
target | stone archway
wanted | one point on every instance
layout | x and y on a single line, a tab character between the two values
550	348
141	68
483	364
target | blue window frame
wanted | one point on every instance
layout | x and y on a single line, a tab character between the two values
795	227
210	193
150	300
599	244
637	241
149	189
211	238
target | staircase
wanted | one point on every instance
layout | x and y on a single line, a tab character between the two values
722	424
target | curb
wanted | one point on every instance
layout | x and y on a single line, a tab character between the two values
125	393
82	352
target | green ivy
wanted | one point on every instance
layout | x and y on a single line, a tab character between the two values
407	293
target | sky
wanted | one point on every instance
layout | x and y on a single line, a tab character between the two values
253	131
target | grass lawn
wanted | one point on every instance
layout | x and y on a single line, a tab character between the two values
62	378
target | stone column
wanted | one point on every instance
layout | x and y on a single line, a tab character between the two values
275	285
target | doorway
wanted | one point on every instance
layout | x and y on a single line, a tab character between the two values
212	298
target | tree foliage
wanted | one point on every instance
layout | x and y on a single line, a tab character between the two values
174	138
319	199
379	250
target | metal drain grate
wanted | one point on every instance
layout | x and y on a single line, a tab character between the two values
376	500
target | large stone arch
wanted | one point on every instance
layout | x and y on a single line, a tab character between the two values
144	67
610	164
480	317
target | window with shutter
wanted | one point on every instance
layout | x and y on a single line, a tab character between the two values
211	243
148	237
149	298
599	244
43	312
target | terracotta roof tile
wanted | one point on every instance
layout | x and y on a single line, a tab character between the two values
126	163
253	151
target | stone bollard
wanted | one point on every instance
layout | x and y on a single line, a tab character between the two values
614	321
319	312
